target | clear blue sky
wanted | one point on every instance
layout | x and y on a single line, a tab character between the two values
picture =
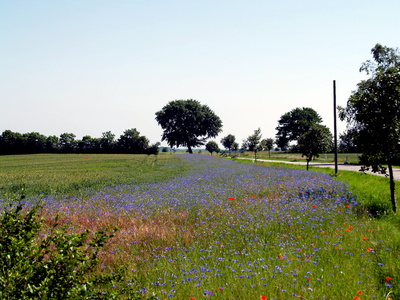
90	66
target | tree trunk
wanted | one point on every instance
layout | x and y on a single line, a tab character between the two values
392	188
190	150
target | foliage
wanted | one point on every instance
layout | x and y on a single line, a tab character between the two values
252	143
188	123
267	144
318	139
11	142
30	143
55	266
347	141
132	142
373	112
293	124
228	142
67	142
107	141
212	146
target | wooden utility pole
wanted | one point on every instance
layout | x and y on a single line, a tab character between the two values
335	128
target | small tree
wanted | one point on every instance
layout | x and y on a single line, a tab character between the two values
228	142
132	142
268	144
212	146
67	142
253	142
235	146
107	142
373	113
188	123
318	139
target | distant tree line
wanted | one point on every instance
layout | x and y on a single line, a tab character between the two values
33	142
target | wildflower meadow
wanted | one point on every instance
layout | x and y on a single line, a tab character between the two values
232	230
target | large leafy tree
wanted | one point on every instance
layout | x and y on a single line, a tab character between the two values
316	140
188	123
293	124
373	113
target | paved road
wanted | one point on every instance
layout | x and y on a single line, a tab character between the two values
344	167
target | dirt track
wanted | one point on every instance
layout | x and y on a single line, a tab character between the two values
344	167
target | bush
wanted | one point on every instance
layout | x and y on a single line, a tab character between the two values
53	266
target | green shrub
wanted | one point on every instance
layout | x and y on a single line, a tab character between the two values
57	265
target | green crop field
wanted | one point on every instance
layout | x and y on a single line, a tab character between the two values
43	174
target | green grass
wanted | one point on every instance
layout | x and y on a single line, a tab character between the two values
351	158
44	174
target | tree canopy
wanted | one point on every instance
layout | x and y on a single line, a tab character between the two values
373	112
316	140
268	144
228	142
253	142
293	124
188	123
212	146
33	142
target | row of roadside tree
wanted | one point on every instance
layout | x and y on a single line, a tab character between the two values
33	142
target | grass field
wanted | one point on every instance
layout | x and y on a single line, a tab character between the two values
351	158
44	174
198	227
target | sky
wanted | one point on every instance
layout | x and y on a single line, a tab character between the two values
91	66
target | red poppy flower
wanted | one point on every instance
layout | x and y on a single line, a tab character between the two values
263	298
388	278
